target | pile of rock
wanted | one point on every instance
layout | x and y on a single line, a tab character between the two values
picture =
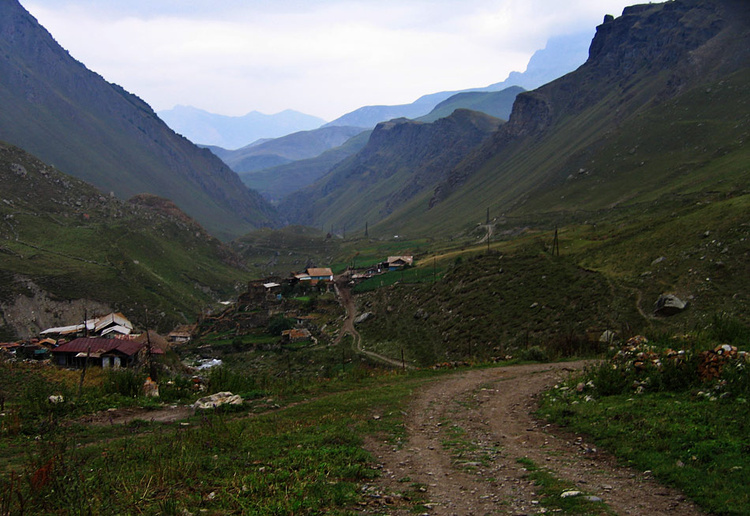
713	361
636	353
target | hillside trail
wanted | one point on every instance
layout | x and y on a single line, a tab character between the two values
346	299
488	417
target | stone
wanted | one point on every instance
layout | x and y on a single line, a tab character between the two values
363	317
669	304
216	400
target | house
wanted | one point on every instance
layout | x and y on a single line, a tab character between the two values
295	335
102	352
313	275
182	334
111	324
320	274
399	262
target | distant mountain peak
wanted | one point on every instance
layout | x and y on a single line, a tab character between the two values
233	132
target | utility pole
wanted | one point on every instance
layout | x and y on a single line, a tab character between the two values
556	245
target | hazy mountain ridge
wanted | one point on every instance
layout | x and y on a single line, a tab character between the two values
561	55
53	106
277	182
402	159
292	147
233	132
494	103
649	55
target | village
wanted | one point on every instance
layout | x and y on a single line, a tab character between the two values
112	341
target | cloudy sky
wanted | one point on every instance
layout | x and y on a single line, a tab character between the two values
321	57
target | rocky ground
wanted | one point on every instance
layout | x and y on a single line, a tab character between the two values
486	417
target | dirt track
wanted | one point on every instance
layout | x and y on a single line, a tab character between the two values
491	410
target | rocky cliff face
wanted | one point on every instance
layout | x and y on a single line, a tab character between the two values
650	53
54	107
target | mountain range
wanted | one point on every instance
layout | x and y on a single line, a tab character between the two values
68	116
561	55
233	132
292	147
617	132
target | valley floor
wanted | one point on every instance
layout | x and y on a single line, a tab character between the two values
472	441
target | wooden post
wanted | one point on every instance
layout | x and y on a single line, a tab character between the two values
403	362
556	245
83	371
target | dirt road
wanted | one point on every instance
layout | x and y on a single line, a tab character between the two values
488	417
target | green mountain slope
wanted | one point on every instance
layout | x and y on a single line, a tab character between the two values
66	247
401	160
614	132
55	108
494	103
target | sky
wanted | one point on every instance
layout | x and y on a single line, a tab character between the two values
320	57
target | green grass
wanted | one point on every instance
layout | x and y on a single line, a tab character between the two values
690	434
550	489
305	459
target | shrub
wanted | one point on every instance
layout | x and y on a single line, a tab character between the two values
534	354
278	324
125	382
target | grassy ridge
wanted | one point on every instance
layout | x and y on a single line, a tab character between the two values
74	243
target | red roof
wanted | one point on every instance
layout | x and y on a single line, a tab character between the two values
98	345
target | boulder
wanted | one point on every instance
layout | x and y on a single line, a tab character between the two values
669	304
216	400
362	318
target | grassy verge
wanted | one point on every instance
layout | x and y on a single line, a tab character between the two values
666	411
305	459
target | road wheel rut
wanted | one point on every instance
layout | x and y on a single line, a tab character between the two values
466	433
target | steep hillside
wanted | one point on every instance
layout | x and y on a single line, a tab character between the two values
233	132
655	80
292	147
401	160
494	103
55	108
277	182
65	247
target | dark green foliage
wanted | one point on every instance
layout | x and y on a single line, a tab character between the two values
728	329
534	354
279	323
126	382
221	379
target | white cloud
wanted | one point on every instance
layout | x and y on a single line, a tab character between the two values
320	57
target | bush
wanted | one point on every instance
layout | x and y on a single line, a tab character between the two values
278	324
125	382
221	379
534	354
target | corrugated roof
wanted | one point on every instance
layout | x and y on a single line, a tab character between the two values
409	260
99	345
318	272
